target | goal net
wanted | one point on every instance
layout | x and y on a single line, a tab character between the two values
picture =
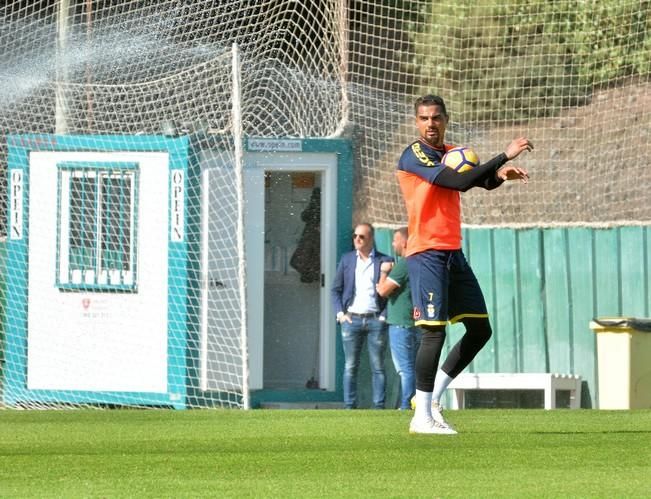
571	75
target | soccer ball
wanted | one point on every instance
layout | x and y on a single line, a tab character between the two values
460	159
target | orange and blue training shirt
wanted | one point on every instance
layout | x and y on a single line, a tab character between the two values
434	212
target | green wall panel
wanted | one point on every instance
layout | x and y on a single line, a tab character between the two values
606	270
582	309
532	340
557	303
633	253
504	319
480	256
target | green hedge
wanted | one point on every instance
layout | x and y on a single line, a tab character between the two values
529	58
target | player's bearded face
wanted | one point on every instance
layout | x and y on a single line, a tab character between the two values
431	123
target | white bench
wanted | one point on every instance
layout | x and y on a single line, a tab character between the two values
549	382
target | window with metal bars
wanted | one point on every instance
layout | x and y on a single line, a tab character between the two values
97	226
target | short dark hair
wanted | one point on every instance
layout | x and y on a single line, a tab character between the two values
430	100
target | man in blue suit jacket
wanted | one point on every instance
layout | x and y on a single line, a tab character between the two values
361	313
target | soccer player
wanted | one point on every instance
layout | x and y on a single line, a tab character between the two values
443	286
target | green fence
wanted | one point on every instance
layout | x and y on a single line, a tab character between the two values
544	285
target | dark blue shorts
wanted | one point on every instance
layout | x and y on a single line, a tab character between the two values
443	288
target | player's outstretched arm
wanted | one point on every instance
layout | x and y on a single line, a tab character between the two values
519	145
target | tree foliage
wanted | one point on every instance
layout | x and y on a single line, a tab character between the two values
494	60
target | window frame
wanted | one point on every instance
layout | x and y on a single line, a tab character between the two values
98	277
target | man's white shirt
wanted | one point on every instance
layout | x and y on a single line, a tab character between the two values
364	301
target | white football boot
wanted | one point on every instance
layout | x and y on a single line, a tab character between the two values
437	413
429	427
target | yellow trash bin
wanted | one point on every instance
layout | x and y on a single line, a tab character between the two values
623	362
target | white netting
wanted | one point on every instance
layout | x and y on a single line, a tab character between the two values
572	75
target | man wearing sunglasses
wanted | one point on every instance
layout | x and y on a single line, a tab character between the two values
443	286
361	312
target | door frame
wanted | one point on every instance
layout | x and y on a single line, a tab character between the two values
256	165
333	159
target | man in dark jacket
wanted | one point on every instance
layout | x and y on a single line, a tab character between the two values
361	313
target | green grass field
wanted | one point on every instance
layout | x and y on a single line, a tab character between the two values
326	453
